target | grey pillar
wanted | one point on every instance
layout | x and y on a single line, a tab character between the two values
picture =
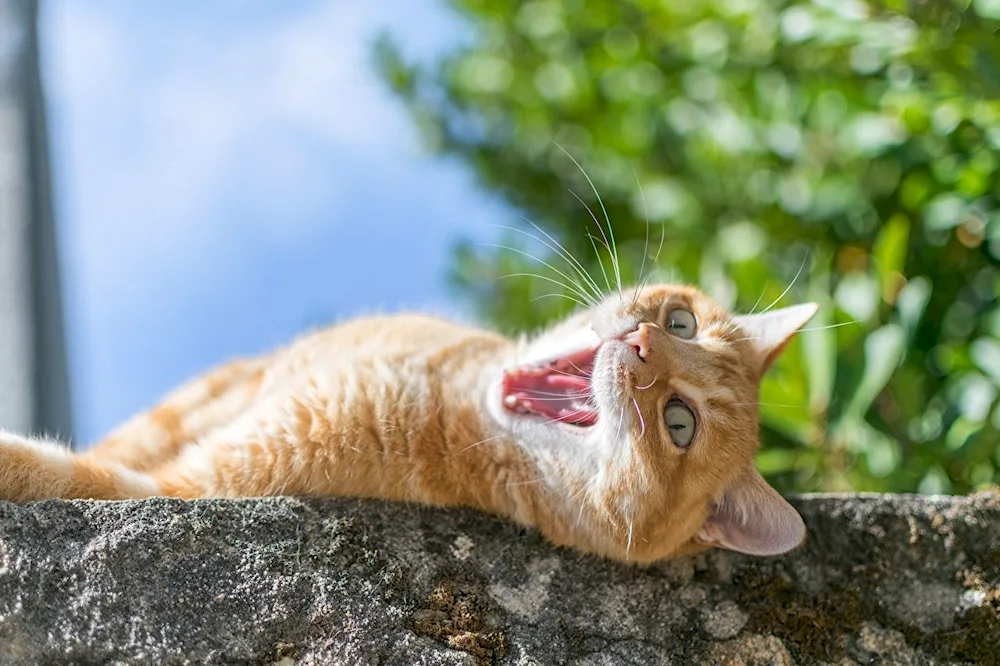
34	387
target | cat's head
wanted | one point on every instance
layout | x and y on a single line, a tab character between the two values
643	413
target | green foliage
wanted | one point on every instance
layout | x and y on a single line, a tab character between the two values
858	142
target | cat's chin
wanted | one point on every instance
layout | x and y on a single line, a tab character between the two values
556	391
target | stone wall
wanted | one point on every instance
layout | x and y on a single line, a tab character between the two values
881	580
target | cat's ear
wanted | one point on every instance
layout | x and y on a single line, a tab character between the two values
770	332
753	518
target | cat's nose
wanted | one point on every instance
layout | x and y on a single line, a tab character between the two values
639	339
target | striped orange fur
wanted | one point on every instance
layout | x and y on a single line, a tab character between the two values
649	454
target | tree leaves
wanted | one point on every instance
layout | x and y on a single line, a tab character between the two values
731	139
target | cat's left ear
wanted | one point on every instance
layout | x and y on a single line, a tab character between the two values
770	332
753	518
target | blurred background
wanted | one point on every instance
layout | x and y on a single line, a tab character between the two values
227	174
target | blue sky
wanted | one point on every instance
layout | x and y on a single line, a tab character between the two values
231	173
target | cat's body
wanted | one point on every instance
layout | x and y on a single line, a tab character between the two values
612	433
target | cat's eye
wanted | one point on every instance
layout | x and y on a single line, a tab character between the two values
680	423
681	322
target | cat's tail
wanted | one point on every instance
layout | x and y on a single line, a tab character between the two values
33	469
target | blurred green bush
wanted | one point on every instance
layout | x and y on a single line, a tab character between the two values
858	142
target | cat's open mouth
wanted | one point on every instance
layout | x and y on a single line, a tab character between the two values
560	390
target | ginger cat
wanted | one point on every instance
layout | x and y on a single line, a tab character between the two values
628	430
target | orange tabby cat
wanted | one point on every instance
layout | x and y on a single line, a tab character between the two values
628	430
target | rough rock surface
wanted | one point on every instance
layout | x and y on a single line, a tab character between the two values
881	580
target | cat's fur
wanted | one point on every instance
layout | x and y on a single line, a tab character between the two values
412	408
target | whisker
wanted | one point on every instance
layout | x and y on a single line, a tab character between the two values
568	256
603	243
643	388
581	394
639	414
659	249
644	279
789	287
555	397
656	258
566	296
801	330
488	439
759	299
585	375
563	253
597	252
580	372
574	289
611	231
764	404
823	328
547	279
645	246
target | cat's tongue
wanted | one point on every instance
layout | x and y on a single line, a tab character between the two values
560	391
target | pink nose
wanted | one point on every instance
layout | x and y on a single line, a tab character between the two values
639	339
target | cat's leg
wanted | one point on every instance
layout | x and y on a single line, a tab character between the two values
154	437
36	469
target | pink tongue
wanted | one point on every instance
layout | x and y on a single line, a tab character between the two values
546	392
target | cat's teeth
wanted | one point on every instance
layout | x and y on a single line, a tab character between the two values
510	401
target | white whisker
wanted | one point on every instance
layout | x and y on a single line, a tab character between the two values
789	287
590	286
759	299
591	238
581	370
614	255
801	330
575	289
582	373
641	420
823	328
644	279
645	246
764	404
552	396
488	439
566	296
568	256
643	388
